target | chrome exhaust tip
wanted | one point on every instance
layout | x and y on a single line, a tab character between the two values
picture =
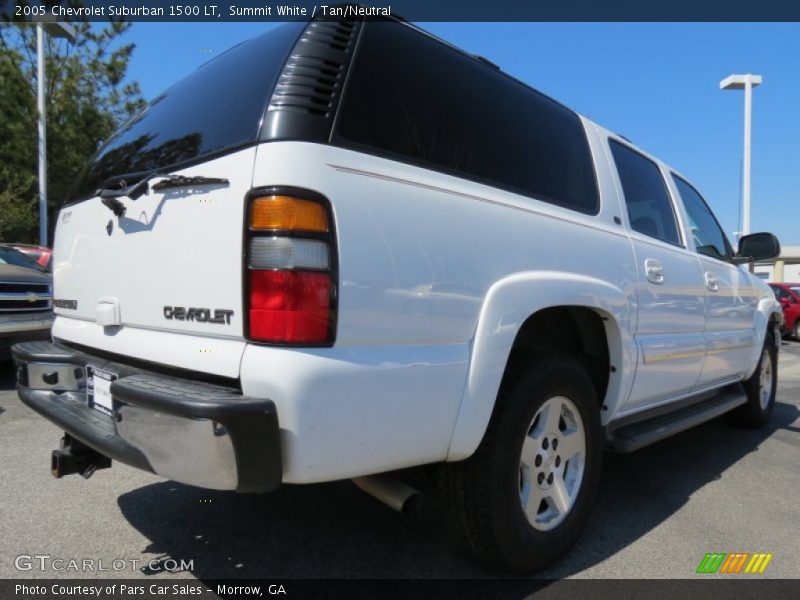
392	492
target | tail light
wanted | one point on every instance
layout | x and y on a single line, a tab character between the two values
290	260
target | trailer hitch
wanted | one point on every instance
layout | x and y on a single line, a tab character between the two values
74	456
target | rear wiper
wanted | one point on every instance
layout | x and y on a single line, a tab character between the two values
175	181
109	195
133	191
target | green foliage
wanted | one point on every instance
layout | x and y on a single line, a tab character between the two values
87	97
17	209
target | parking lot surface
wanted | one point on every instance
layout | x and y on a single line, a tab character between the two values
715	488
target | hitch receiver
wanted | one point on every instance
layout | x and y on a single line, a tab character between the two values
76	457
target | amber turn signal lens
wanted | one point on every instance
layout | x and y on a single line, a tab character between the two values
287	212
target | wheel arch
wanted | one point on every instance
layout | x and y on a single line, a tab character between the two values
530	310
769	316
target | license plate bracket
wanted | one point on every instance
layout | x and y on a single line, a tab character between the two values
98	390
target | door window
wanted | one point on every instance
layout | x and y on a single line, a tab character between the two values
781	294
709	239
649	207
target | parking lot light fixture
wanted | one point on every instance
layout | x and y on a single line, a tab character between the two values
746	83
61	30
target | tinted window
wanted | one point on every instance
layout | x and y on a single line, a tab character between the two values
217	107
413	98
11	256
781	293
649	207
708	236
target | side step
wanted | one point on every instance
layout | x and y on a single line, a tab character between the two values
634	432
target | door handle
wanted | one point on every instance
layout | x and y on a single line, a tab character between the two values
712	283
654	271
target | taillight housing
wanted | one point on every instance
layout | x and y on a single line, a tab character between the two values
290	268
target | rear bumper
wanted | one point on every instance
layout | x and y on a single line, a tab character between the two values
188	431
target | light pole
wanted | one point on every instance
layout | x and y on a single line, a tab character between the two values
746	83
62	30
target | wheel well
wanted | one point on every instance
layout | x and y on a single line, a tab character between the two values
573	330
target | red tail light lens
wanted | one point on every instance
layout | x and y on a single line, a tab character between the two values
290	306
290	267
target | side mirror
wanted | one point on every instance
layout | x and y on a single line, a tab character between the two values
758	246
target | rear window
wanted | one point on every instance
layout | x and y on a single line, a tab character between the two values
218	107
413	98
11	256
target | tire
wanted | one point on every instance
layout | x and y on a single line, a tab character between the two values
483	496
760	388
796	330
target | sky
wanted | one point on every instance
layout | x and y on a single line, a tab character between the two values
655	83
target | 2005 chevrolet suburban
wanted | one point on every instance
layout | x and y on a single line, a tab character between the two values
345	248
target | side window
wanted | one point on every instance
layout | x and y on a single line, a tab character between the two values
649	207
708	235
781	294
414	99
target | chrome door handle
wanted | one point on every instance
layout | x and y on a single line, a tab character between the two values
712	283
654	271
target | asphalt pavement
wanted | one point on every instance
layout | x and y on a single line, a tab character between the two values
715	488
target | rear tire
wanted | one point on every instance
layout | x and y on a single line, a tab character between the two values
760	388
542	449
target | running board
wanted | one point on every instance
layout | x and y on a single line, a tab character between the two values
634	432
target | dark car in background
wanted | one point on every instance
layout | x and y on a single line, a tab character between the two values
26	300
788	294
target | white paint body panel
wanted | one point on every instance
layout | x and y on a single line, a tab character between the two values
217	356
179	247
436	276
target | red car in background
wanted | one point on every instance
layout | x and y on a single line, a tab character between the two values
788	294
41	254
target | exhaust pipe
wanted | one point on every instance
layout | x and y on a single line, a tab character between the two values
392	492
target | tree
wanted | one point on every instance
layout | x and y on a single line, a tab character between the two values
87	97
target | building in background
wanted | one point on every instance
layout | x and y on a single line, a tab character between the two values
784	268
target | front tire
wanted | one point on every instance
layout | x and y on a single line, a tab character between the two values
521	501
760	388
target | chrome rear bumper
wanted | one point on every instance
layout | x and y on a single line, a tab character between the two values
189	431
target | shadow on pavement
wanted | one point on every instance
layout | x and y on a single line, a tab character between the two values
7	378
334	530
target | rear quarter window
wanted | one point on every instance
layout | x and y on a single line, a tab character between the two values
413	98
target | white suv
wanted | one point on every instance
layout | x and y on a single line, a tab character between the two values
346	248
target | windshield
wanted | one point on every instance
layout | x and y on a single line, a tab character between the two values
218	107
11	256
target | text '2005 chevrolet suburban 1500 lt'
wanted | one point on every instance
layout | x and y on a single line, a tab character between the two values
347	248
